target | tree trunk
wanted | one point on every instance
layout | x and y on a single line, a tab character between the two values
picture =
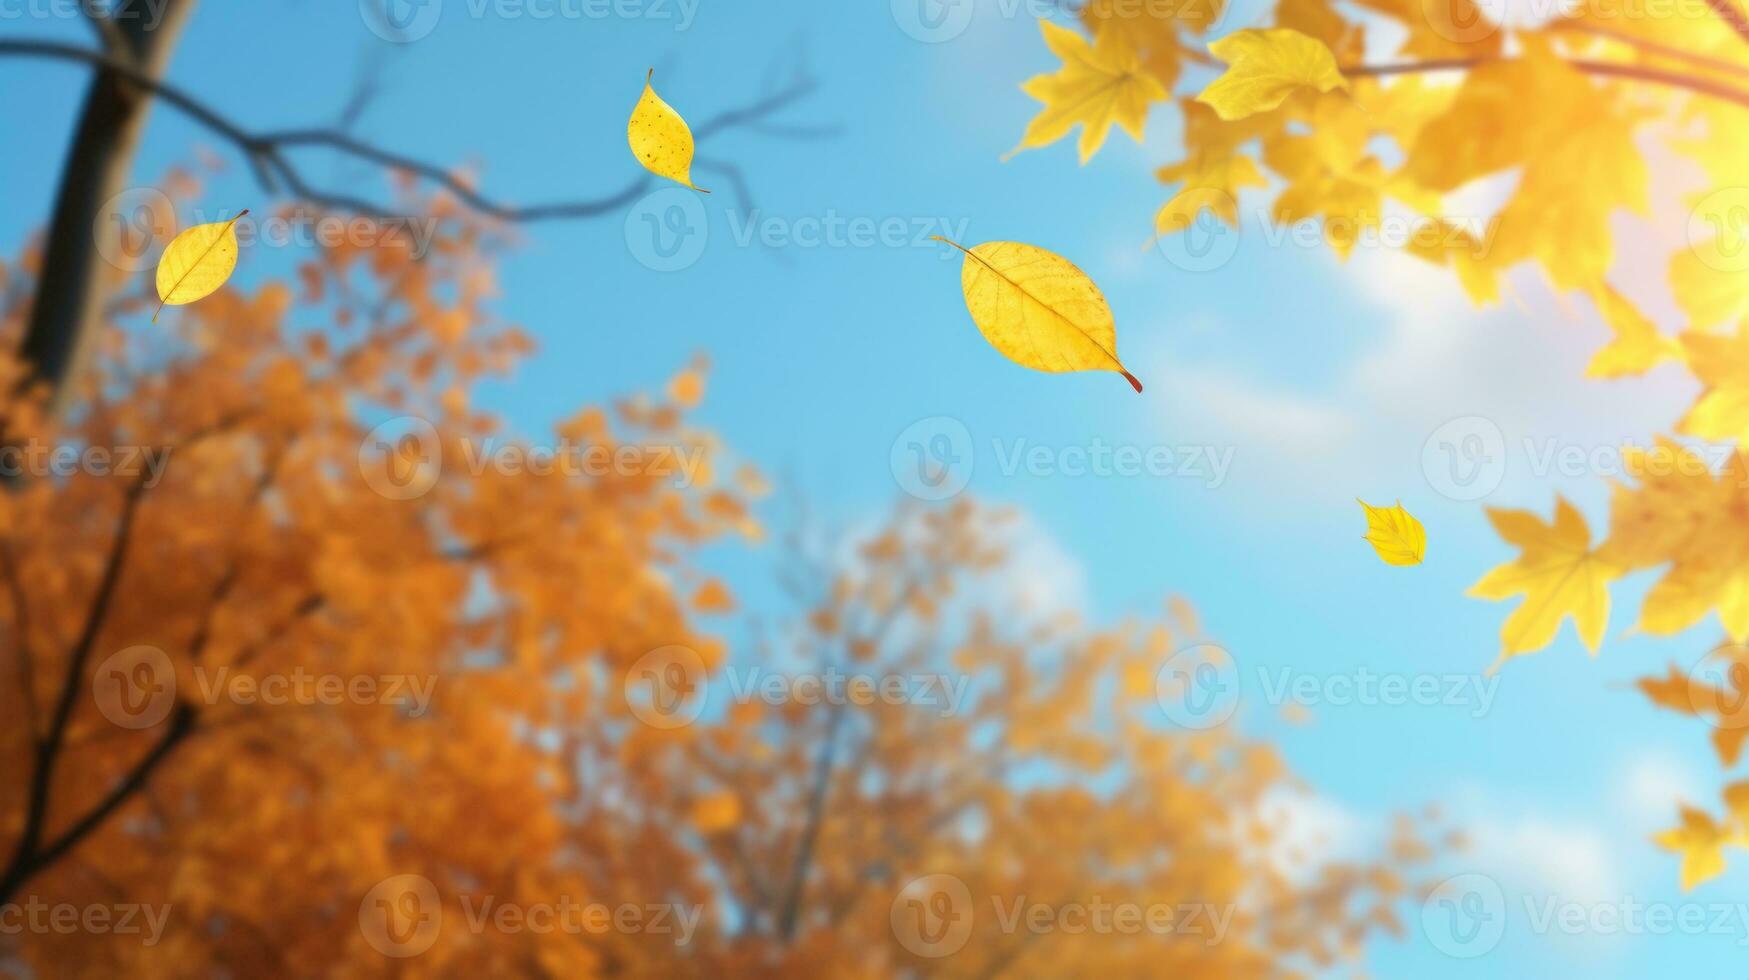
72	292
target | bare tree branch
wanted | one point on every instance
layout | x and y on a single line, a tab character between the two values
267	152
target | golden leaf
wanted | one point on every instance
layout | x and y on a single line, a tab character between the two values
1638	345
1038	309
1264	67
1557	572
197	263
1395	534
1701	842
1100	84
660	139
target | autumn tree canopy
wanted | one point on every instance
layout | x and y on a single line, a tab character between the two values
1495	147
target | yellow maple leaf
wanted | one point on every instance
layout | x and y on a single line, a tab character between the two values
1637	347
1038	309
1099	84
1700	840
1722	365
1558	574
1395	534
1264	67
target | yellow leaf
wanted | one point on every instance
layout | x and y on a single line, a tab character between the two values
1721	412
1637	347
1395	534
1264	67
197	263
1038	309
1701	842
660	139
1557	572
1099	84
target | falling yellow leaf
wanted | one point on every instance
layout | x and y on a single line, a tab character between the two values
1701	843
1395	534
1264	67
1038	309
660	139
197	263
1558	573
1100	84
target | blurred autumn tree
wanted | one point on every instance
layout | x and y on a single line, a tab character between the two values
1352	114
529	603
278	542
1049	780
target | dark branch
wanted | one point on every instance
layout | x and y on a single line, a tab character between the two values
266	152
1616	69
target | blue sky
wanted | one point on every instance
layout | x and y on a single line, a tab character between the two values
1323	380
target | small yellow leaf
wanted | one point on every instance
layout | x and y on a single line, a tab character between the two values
1638	345
660	139
1038	309
197	263
1395	534
1264	67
